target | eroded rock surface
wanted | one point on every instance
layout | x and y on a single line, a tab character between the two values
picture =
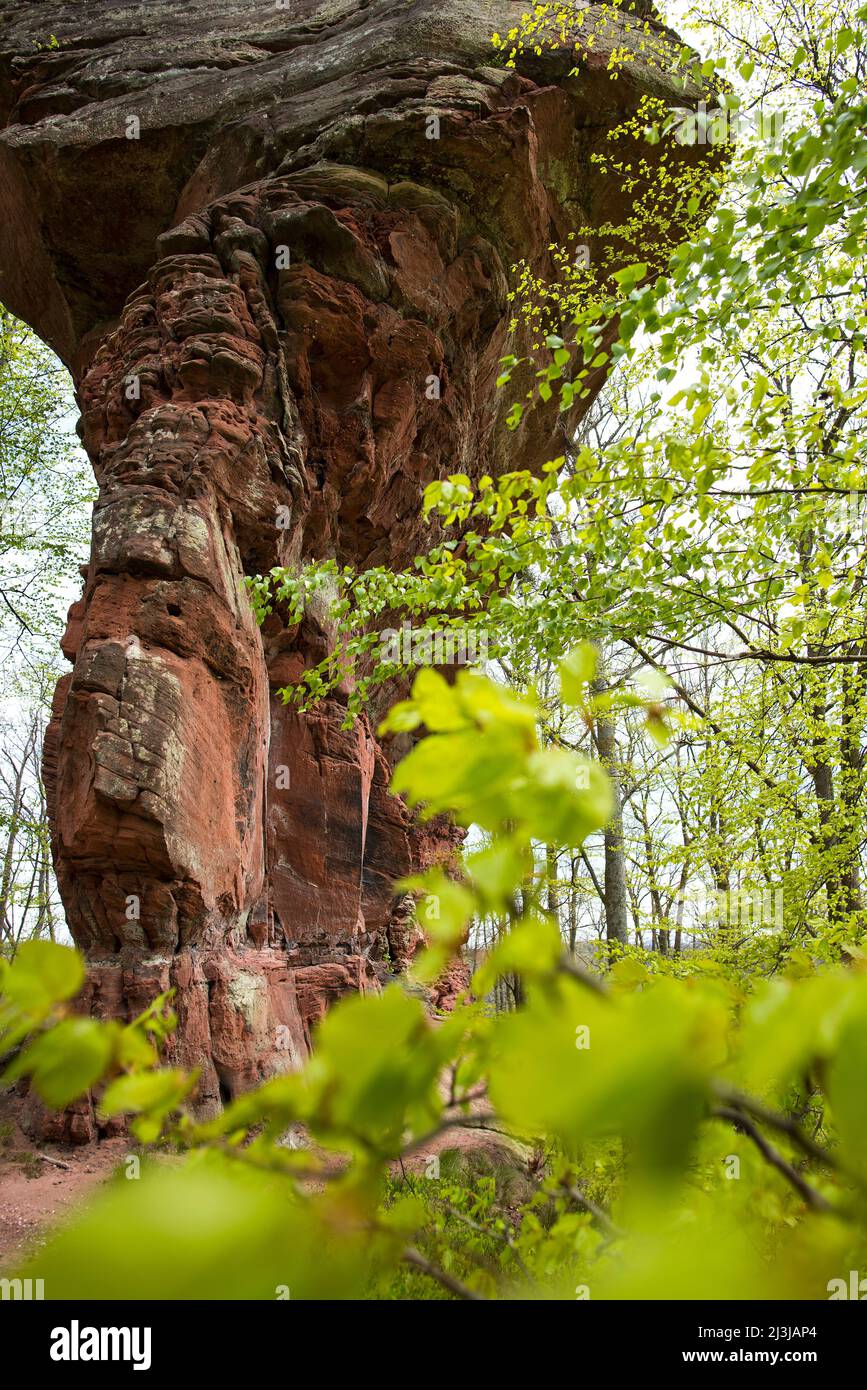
257	233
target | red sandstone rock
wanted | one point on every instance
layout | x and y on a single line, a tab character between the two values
252	294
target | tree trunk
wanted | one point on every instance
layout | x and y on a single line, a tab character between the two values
616	897
573	904
838	820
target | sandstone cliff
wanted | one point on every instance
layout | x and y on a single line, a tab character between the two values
254	231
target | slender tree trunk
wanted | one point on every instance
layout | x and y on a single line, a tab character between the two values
836	841
573	905
553	891
616	897
7	874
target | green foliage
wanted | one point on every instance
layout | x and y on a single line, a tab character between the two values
710	521
66	1056
483	763
45	485
211	1229
680	597
636	1091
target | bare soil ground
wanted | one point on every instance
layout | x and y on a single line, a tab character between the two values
41	1183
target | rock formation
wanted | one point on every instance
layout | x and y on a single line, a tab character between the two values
256	233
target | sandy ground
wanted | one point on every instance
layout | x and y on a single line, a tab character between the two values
42	1184
36	1192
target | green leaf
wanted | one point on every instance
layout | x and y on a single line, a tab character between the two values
630	275
375	1065
158	1091
531	949
846	1088
577	1066
211	1229
68	1060
577	670
41	975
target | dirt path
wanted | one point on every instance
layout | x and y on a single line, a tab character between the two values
42	1184
35	1193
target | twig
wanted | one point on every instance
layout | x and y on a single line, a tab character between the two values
414	1257
504	1237
58	1162
405	1175
600	1216
742	1122
775	1120
569	967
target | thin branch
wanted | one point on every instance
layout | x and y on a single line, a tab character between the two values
773	1156
570	967
782	1123
414	1257
600	1216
